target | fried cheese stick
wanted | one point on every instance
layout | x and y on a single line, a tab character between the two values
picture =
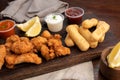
68	41
88	36
88	23
79	40
101	29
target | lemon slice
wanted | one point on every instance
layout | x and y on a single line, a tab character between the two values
35	29
25	26
114	56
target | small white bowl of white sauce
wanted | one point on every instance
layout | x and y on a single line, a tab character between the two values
54	22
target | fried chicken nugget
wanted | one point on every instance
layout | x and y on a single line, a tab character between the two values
57	46
10	40
13	59
2	55
38	42
47	53
22	46
46	34
13	38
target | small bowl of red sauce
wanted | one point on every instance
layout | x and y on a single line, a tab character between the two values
7	28
74	15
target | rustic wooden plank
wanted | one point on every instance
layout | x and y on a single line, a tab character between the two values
22	71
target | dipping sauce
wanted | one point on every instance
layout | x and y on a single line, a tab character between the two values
6	28
74	15
54	22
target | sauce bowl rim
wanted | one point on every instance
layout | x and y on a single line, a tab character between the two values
14	24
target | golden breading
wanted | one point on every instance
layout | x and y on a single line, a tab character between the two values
101	29
88	23
88	36
2	55
46	34
102	38
68	41
13	59
10	40
47	53
56	43
79	40
53	48
38	42
22	46
13	38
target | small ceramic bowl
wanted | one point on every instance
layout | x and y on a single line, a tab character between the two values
107	72
7	28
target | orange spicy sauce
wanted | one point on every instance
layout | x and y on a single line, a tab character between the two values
6	28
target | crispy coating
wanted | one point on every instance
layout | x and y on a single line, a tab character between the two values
57	46
13	59
53	48
10	40
68	41
13	38
47	53
55	41
38	42
2	55
22	46
46	34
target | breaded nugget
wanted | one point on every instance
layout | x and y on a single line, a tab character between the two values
13	38
47	53
38	42
13	59
46	34
62	51
10	40
22	46
2	55
53	47
56	43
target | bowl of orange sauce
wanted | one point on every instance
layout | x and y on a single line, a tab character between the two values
7	28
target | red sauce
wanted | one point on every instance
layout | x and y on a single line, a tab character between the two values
74	15
6	28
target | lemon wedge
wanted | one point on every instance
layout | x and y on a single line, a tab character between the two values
35	29
32	27
25	26
114	56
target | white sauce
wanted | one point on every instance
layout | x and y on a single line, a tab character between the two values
53	18
54	22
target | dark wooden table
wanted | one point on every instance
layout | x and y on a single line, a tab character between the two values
108	10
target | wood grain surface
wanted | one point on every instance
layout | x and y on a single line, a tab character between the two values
22	71
108	10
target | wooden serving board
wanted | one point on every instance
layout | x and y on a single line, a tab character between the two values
26	70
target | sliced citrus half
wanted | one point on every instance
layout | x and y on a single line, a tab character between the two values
35	29
114	56
26	26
